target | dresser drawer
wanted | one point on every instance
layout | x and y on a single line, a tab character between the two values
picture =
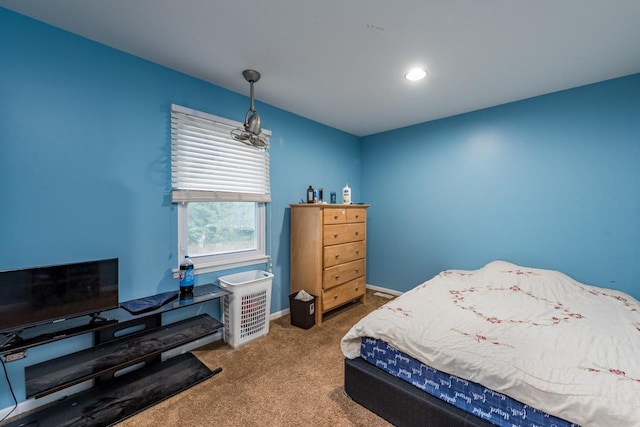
335	216
342	273
356	215
338	254
344	233
346	292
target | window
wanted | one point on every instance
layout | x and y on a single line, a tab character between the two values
221	187
221	233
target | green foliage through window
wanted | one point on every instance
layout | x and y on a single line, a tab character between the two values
221	227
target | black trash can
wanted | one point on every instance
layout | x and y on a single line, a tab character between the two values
303	313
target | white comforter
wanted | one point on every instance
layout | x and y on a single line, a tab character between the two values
538	336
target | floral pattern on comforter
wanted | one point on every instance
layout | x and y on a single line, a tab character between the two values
538	336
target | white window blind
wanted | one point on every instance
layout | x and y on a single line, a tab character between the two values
207	164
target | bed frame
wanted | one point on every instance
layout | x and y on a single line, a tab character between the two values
399	402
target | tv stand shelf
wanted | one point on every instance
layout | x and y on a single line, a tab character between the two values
106	359
113	401
121	343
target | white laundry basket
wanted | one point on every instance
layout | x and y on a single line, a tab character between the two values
246	310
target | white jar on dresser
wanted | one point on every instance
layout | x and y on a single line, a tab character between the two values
328	253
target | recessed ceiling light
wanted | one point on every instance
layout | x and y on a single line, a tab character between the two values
415	74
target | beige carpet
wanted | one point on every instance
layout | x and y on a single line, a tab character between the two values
291	377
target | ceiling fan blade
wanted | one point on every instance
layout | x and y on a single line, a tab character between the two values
239	135
257	141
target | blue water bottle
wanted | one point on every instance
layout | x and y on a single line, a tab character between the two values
186	278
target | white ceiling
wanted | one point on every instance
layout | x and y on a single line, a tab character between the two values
341	62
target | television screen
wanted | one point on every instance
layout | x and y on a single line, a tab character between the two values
38	295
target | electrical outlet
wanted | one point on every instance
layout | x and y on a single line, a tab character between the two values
11	357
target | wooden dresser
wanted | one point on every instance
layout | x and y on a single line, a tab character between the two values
328	253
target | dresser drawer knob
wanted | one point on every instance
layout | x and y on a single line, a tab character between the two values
335	296
337	275
337	256
335	235
357	232
357	216
335	217
357	288
358	252
357	269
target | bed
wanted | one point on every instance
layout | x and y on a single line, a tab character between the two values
522	346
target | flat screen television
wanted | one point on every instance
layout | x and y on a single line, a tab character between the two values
38	295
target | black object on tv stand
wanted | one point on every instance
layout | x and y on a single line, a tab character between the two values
115	398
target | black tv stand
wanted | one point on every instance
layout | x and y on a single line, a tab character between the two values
10	340
95	317
117	393
43	334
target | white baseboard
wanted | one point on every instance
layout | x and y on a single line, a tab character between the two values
384	290
279	314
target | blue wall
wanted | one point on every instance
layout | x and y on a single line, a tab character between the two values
550	182
85	149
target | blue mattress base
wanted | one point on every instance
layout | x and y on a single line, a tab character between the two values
468	396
